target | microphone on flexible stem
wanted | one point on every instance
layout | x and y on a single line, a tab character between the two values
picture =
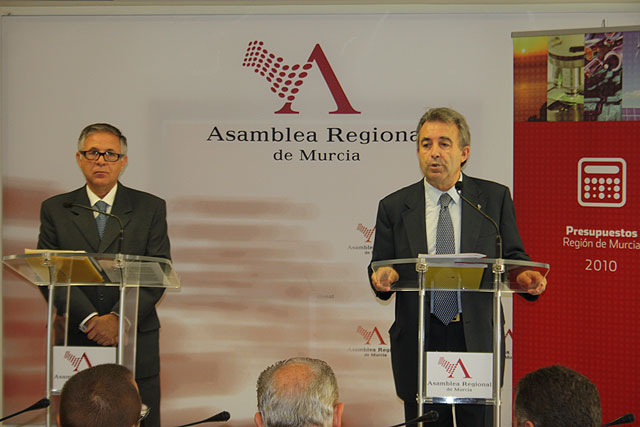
222	416
625	419
69	205
42	403
459	185
430	417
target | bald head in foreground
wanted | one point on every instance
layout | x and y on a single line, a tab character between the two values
298	392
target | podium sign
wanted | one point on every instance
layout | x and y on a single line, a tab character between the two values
69	360
460	375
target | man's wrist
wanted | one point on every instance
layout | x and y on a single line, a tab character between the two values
83	324
127	323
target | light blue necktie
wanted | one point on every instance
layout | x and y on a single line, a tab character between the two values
445	303
101	220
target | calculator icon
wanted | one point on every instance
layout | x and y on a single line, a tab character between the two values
602	181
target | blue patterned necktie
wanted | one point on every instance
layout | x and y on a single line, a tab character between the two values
101	220
445	303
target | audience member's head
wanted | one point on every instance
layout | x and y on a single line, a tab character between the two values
101	396
298	392
556	396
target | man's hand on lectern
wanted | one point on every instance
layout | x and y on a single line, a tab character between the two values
383	278
531	280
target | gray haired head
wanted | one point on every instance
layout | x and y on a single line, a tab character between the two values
449	116
297	392
102	127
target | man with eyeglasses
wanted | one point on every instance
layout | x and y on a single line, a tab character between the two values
93	310
101	396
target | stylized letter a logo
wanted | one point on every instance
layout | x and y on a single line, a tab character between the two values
286	80
367	335
451	367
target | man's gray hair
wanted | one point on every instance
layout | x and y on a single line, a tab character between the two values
308	400
449	116
102	127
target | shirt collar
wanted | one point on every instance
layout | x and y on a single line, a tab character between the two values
108	199
432	194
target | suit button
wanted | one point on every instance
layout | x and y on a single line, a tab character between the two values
101	297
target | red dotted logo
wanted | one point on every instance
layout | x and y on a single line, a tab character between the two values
286	79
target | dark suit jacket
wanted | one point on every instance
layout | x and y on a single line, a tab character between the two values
401	233
145	233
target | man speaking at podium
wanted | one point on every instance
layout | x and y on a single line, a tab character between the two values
65	225
430	217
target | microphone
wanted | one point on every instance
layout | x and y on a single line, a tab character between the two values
430	417
459	185
42	403
69	205
625	419
222	416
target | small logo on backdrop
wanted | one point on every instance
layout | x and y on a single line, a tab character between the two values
76	361
368	335
508	337
286	79
367	233
508	334
451	368
374	343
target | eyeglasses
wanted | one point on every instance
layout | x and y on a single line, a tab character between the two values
108	156
144	413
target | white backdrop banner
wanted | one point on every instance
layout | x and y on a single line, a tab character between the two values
272	138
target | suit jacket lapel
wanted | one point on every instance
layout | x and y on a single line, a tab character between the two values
471	220
84	219
414	220
121	208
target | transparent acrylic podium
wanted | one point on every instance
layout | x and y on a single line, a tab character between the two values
59	273
459	272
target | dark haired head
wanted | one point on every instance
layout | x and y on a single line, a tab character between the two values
557	396
101	396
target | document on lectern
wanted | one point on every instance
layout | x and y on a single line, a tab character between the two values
68	269
454	271
139	272
454	258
